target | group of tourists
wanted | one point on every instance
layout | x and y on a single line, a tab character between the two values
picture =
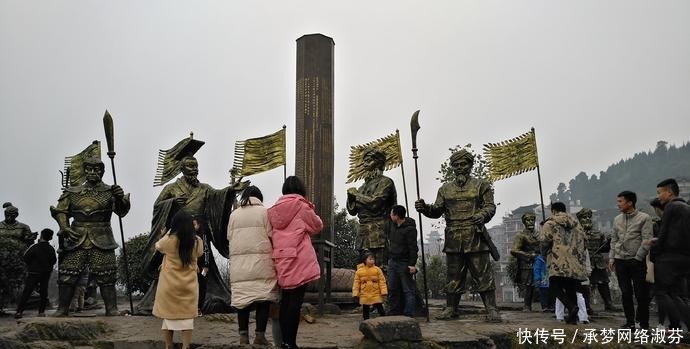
271	259
371	286
567	260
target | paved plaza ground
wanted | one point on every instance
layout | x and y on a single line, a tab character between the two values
328	331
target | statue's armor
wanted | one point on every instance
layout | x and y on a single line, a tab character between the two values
530	245
90	210
467	253
17	231
594	240
374	216
458	204
15	239
525	247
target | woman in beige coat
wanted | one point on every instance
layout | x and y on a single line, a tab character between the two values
253	282
177	293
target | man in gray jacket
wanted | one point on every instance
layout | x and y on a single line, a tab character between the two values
627	258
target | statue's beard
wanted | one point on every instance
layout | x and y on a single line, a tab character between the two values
373	173
461	178
192	179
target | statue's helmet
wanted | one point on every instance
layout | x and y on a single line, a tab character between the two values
10	209
461	154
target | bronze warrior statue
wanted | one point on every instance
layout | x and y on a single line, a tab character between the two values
372	204
88	239
211	207
15	238
526	248
598	246
467	203
13	229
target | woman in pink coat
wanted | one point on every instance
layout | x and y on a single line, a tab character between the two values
294	221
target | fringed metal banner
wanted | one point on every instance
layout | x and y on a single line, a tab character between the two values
512	157
389	145
74	165
256	155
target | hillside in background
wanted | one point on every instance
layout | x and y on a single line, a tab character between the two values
641	173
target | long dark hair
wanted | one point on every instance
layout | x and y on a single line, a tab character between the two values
249	192
182	227
293	185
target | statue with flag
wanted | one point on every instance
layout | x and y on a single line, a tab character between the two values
372	201
209	206
467	204
86	239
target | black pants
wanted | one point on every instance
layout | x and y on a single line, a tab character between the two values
290	307
401	289
604	292
670	273
544	298
366	308
631	279
654	294
565	289
203	284
32	280
262	309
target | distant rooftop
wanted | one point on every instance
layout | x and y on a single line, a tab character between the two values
524	209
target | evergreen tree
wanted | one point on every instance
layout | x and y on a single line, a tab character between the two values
436	273
345	230
479	170
140	280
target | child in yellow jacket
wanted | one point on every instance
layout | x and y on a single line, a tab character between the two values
370	286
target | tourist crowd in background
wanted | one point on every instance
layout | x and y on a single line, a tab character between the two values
649	257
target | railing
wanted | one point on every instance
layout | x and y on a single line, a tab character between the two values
324	253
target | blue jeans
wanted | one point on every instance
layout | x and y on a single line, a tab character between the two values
401	289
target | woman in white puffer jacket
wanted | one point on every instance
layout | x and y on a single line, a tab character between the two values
253	281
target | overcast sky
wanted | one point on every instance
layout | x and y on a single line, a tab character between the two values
599	80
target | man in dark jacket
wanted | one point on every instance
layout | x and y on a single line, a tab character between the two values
402	252
670	253
40	259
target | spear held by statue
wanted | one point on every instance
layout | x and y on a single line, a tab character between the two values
110	140
414	127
